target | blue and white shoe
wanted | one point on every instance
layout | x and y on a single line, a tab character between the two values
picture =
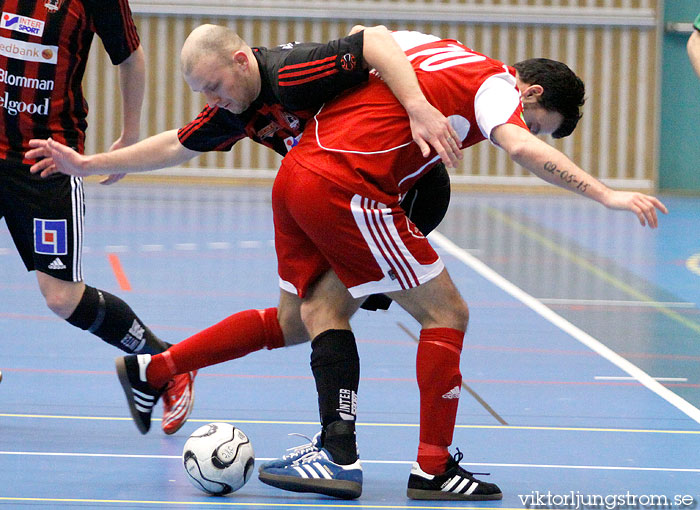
316	472
295	453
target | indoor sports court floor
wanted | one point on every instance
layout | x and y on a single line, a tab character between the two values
581	364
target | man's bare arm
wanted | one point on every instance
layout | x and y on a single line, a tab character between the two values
551	165
159	151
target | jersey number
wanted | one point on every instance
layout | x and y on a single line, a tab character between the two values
442	58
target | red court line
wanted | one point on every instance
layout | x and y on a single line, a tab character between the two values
474	347
25	317
532	350
116	264
374	379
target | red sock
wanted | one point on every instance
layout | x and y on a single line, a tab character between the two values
440	382
232	338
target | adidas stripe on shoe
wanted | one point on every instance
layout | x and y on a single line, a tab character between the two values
178	401
295	453
316	472
455	483
140	396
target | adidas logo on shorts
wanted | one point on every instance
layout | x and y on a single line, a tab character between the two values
57	264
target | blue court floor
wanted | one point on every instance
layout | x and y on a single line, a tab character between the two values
581	365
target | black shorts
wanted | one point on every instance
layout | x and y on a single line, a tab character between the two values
427	201
45	219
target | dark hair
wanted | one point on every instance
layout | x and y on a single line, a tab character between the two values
563	90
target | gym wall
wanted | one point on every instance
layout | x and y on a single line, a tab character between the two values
610	44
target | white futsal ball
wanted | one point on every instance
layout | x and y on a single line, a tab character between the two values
218	458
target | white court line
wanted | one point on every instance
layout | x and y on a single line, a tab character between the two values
629	378
186	246
366	461
221	245
595	345
613	302
107	455
116	248
152	247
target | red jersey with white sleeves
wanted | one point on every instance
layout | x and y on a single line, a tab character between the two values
44	46
362	140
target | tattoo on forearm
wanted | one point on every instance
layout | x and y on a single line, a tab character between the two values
565	176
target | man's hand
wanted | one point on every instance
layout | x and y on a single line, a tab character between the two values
121	142
112	178
644	206
58	158
429	128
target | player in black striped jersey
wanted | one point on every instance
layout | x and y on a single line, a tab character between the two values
44	46
268	95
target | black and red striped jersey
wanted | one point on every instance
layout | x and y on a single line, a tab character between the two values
44	47
296	80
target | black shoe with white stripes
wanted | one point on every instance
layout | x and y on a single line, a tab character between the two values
140	395
455	483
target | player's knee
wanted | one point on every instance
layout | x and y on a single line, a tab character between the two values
62	297
462	315
292	327
309	311
456	314
318	315
61	300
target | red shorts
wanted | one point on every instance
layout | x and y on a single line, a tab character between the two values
372	247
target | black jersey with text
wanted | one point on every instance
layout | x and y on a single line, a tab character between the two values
297	78
44	46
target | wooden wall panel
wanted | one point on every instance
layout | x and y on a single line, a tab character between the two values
613	48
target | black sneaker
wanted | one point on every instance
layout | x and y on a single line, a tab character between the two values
140	395
454	484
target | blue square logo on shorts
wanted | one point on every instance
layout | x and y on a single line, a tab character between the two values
50	237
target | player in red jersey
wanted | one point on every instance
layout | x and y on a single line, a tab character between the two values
502	105
44	46
268	95
340	235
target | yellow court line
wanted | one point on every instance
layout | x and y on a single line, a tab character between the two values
365	424
591	268
693	264
248	504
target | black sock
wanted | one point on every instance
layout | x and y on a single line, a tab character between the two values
111	319
336	368
340	441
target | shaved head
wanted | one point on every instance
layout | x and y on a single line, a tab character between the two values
209	40
220	65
